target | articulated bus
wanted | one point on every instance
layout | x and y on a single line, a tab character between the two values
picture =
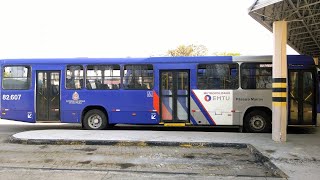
165	91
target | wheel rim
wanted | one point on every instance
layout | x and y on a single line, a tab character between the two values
257	122
95	121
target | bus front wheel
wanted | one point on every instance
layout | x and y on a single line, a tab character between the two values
95	120
257	122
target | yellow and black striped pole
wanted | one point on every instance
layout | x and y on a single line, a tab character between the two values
279	92
279	85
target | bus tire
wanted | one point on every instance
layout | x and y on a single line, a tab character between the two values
257	121
95	120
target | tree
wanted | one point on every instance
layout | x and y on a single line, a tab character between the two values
189	50
226	54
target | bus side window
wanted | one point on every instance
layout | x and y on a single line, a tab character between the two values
233	82
138	77
98	84
70	84
74	77
80	83
103	77
55	89
218	76
233	72
256	76
16	77
88	84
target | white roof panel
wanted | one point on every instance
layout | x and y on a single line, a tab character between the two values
263	3
303	19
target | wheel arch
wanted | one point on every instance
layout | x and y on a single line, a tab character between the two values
88	108
253	108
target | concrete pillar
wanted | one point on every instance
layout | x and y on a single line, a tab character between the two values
279	85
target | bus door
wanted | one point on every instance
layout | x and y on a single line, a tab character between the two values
302	99
174	96
48	96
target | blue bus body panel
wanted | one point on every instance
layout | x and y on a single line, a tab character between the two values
21	109
17	104
300	62
132	106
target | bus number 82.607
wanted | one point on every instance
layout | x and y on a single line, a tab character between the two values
11	97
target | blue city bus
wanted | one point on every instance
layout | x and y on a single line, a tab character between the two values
166	91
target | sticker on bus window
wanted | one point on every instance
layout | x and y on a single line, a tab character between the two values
153	115
149	93
265	65
29	115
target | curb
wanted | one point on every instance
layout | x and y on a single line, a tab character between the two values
266	162
124	143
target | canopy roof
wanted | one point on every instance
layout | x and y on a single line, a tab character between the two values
303	18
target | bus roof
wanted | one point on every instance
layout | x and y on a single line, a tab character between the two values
292	59
120	60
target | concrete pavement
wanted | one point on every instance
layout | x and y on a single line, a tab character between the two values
299	157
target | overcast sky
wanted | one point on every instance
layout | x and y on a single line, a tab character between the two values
127	28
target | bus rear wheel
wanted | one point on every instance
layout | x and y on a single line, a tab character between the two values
257	122
95	120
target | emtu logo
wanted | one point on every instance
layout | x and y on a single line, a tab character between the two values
207	98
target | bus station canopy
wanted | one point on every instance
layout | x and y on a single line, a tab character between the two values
303	17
